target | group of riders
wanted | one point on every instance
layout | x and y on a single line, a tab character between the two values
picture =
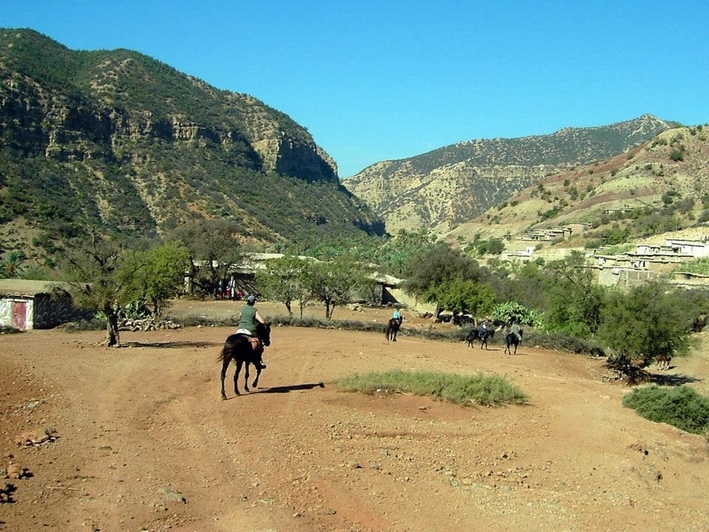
484	332
250	316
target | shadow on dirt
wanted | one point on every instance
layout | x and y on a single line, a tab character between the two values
670	380
171	345
292	388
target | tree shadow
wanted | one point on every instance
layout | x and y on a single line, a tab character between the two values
670	380
169	345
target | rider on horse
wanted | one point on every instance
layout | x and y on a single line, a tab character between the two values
247	325
397	316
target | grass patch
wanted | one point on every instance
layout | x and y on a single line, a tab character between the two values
464	390
681	407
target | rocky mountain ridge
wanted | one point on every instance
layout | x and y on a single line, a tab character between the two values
125	142
443	188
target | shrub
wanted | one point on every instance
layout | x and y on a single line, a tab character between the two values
460	389
681	407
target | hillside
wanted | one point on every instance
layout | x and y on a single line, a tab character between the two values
119	141
454	184
658	187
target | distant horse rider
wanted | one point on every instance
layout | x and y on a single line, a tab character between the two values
397	316
247	325
483	330
515	329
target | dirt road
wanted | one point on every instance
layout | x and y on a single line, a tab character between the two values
138	439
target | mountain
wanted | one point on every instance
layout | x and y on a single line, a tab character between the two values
124	143
658	187
448	186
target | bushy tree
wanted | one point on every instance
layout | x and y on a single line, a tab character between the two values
646	323
574	299
215	248
333	282
160	273
102	275
438	264
12	265
511	310
461	295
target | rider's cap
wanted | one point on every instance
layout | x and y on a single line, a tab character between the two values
251	299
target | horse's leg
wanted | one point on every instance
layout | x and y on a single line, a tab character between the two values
225	366
258	374
236	376
246	376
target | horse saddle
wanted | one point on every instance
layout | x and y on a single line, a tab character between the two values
255	340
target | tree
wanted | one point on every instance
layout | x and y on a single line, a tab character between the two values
647	323
160	273
215	249
398	251
333	282
102	274
462	295
574	300
438	264
12	264
286	280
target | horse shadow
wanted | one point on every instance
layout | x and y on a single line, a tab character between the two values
292	387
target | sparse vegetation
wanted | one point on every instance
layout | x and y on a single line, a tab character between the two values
460	389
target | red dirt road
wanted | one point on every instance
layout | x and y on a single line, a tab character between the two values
143	442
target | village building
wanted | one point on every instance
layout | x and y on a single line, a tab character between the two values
33	304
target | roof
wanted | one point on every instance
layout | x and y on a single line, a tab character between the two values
26	288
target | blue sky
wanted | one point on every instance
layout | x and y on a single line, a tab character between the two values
377	80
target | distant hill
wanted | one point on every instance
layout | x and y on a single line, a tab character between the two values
126	144
661	186
449	186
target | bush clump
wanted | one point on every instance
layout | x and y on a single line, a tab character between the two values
681	407
466	390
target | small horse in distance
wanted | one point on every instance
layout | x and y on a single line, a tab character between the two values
237	347
393	328
512	340
663	362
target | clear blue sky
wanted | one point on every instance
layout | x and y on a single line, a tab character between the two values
376	79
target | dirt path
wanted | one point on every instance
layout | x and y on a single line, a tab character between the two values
145	443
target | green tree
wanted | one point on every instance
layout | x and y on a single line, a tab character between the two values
286	280
461	295
102	276
646	323
333	283
437	264
215	249
397	252
574	300
12	264
160	273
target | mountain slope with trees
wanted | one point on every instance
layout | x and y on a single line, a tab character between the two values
125	144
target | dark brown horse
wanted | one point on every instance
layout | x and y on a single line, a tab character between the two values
393	328
512	340
477	334
238	348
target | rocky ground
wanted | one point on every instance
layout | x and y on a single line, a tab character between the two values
138	439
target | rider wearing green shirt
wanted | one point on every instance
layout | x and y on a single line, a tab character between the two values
248	319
